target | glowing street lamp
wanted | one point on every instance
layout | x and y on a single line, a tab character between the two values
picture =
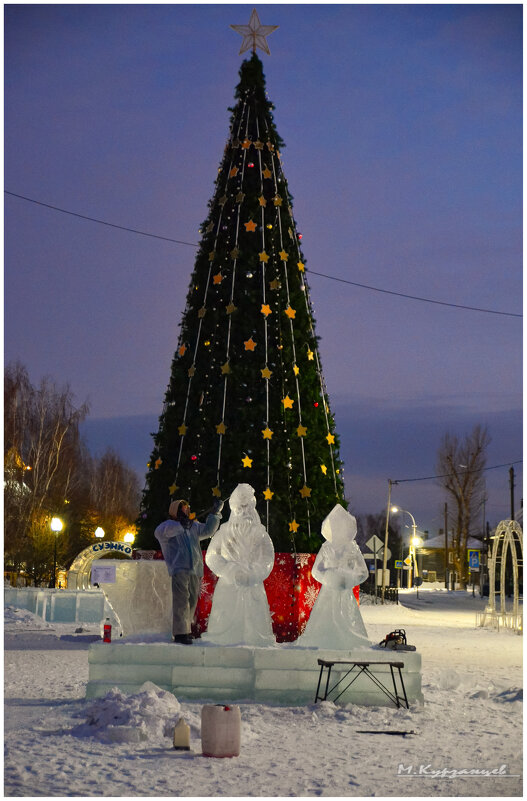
415	541
99	532
56	526
129	537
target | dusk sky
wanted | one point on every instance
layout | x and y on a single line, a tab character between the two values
403	133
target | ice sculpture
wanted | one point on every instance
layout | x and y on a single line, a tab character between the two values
241	554
335	620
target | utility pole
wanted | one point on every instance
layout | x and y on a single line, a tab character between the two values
385	555
446	545
511	483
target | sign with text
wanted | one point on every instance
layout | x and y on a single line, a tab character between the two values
103	574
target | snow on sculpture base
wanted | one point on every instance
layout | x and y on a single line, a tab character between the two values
279	674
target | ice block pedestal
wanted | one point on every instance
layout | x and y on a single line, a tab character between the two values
282	674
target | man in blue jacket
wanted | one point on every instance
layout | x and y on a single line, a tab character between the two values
180	537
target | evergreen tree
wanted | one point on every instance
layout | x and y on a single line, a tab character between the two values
246	400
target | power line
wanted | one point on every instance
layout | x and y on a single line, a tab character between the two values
415	297
446	475
101	222
313	272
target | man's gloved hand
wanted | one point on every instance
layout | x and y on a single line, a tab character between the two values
217	506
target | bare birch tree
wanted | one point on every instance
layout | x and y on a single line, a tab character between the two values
49	472
43	459
114	492
460	465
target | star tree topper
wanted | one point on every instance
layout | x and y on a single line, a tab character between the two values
254	34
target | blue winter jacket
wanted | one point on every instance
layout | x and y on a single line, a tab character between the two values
180	546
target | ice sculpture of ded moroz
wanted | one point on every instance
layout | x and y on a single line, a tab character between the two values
241	554
335	620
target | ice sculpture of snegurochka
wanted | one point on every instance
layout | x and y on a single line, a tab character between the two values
241	554
335	620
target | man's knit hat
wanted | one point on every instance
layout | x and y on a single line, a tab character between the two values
174	507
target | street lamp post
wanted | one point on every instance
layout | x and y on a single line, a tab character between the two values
414	540
56	525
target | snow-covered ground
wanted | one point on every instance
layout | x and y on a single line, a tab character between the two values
466	740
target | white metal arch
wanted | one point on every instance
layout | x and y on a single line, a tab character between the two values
508	536
80	570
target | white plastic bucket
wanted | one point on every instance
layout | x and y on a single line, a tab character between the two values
220	730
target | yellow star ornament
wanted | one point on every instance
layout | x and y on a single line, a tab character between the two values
305	492
173	488
331	439
250	344
221	428
301	431
268	494
247	462
182	429
266	309
216	492
250	226
290	313
293	526
266	373
324	469
288	402
267	433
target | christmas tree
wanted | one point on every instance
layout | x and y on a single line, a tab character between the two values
246	401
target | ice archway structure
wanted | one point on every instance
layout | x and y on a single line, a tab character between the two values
79	573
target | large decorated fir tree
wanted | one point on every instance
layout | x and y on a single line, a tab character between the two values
246	400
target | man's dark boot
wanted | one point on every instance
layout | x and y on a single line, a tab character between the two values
183	639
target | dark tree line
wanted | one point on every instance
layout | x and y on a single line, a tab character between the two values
49	472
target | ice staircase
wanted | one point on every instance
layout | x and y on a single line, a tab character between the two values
281	674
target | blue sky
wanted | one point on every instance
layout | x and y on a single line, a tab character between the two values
403	132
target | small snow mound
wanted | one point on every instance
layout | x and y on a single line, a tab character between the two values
150	714
15	618
480	694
